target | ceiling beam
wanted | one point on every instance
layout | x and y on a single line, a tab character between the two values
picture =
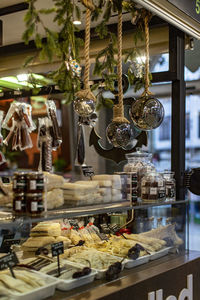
13	9
127	27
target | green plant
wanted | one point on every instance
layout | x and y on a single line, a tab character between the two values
65	43
60	164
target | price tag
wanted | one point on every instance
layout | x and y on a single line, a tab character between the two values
105	228
103	236
8	236
88	171
57	249
9	261
114	228
8	243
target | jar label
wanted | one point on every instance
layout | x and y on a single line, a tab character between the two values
18	205
161	193
40	206
160	183
34	206
144	190
14	183
32	184
170	192
153	191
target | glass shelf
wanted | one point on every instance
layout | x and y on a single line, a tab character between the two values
7	217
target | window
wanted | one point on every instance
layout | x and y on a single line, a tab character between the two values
165	128
187	126
199	126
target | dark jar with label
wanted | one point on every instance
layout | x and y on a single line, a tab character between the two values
35	182
153	188
19	182
19	203
35	204
170	184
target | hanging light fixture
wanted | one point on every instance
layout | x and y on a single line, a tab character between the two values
147	112
76	20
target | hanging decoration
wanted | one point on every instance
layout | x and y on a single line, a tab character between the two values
147	112
119	132
49	137
84	103
20	124
73	66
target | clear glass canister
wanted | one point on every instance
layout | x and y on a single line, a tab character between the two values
170	184
153	188
139	163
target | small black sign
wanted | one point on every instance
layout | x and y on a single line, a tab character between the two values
88	171
57	248
8	243
114	228
8	261
8	236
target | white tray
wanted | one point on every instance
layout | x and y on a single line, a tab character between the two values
69	284
159	254
102	273
99	274
43	292
139	261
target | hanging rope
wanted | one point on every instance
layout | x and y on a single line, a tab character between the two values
118	110
86	92
146	28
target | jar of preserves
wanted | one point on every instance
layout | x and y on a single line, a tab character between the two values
19	203
139	163
35	204
35	182
19	182
153	188
170	185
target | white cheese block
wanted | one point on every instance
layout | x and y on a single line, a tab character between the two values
78	189
53	181
105	191
115	179
116	197
85	198
54	198
116	192
104	183
91	183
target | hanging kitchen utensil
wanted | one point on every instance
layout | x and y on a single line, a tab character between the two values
84	103
147	112
80	146
119	132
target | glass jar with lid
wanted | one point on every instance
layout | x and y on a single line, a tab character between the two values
153	188
139	163
170	184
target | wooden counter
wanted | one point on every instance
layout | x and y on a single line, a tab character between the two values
168	273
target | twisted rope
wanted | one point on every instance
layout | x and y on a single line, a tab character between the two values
87	50
86	92
146	28
88	4
118	110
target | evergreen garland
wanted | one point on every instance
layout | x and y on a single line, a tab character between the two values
57	44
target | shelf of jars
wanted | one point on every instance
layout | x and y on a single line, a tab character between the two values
8	217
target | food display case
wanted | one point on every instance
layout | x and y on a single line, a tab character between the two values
120	246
